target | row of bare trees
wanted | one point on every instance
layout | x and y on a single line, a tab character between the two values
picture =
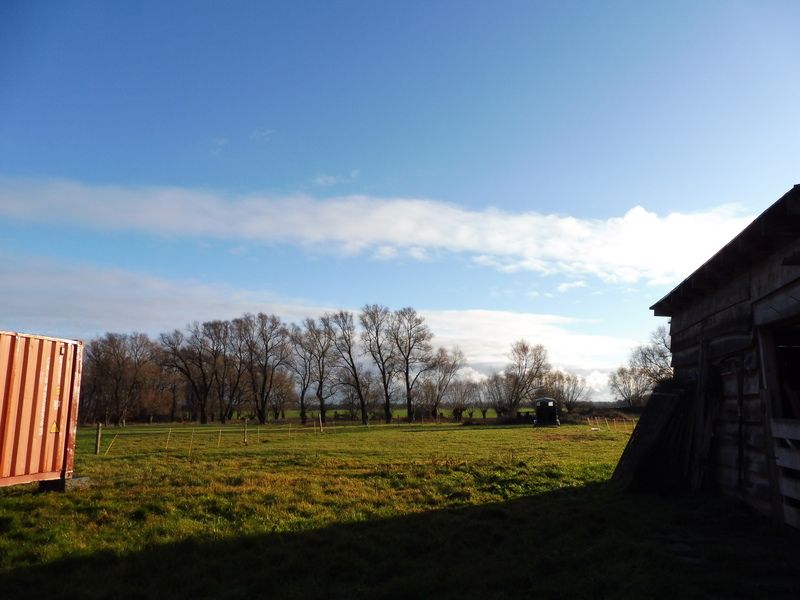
259	365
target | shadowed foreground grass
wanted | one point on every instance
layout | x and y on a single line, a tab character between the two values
386	512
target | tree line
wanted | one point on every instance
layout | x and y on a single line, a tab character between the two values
256	365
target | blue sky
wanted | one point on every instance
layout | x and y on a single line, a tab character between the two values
513	169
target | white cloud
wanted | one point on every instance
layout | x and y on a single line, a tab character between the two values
91	300
597	382
418	253
570	285
74	300
637	246
471	374
385	253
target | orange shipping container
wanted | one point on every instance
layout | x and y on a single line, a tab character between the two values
40	380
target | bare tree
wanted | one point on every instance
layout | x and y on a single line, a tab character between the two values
92	404
376	322
238	357
345	349
494	394
484	398
320	337
227	343
648	365
371	386
461	395
654	359
268	351
567	388
162	389
283	395
523	375
169	388
442	370
348	400
302	365
629	385
424	399
191	356
412	338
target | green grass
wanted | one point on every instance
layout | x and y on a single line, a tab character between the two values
389	511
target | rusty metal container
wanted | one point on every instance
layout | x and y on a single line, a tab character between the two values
40	380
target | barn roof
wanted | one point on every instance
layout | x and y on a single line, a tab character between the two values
777	226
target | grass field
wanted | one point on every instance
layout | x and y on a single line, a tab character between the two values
389	511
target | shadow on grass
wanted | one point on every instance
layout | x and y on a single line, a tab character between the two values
589	542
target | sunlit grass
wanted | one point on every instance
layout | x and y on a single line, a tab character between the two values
386	511
205	481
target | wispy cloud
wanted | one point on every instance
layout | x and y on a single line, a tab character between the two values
570	285
331	180
120	300
500	292
385	253
218	145
636	246
261	135
418	252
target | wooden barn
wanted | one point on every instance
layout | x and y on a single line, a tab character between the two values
730	419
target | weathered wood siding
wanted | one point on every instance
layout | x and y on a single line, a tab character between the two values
717	338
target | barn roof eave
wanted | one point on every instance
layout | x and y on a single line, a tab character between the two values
780	221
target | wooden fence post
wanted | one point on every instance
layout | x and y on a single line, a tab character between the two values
111	444
98	438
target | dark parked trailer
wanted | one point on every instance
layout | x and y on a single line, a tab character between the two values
40	380
731	417
546	412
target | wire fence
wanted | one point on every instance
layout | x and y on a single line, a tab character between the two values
192	438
